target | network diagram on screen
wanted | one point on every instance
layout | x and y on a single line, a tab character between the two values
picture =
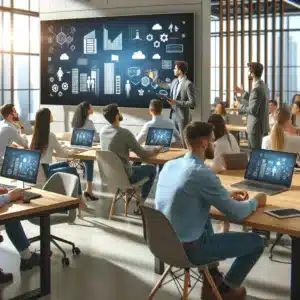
109	60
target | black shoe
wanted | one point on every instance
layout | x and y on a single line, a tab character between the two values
88	196
28	264
5	277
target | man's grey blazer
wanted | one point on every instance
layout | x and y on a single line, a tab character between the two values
255	106
186	99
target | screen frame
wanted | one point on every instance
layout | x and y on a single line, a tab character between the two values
14	177
266	181
44	65
159	128
82	129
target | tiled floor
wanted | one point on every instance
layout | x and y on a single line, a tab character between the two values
115	263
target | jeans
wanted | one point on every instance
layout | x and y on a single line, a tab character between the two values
61	167
140	172
246	247
89	167
16	234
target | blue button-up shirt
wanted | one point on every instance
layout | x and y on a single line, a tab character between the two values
185	192
4	199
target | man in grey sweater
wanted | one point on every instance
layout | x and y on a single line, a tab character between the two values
121	141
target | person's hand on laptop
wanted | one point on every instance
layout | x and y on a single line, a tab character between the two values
261	198
3	190
239	195
16	194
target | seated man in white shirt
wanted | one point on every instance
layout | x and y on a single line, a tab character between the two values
155	108
9	132
272	112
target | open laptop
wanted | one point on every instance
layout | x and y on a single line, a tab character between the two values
22	165
159	137
236	120
268	171
82	139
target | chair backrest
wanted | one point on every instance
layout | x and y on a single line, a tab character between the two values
162	239
235	161
111	169
64	184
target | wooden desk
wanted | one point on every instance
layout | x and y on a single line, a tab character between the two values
158	159
236	128
42	207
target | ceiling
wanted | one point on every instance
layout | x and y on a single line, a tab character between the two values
290	7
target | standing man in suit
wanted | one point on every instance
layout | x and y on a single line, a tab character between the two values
255	105
183	97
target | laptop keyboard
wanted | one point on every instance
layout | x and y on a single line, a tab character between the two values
258	187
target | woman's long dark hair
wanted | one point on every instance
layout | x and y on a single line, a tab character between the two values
40	138
219	127
81	114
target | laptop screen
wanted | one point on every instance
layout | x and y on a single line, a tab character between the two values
271	167
21	164
159	137
82	137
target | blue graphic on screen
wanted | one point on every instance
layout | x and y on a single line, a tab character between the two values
113	60
82	137
21	164
159	137
272	167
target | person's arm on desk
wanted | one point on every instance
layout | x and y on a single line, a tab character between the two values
9	196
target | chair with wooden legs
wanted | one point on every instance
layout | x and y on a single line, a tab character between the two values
165	245
113	174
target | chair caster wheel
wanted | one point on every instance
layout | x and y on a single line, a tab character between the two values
76	251
65	262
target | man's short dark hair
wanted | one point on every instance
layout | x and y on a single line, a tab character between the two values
182	65
194	131
156	105
256	68
110	112
273	102
6	110
295	96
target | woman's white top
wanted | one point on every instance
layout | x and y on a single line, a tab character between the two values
291	143
222	146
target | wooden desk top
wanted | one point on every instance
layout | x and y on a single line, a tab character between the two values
260	220
160	158
236	128
48	201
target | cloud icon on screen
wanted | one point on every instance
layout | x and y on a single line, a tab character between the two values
157	27
64	56
156	56
138	55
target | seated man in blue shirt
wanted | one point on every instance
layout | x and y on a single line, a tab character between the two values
17	236
186	190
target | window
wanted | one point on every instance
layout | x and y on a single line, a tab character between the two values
20	56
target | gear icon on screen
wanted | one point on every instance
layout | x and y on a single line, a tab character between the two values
164	37
51	79
156	44
72	47
64	86
149	37
60	94
55	88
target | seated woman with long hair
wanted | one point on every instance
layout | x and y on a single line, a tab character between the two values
45	141
221	110
279	139
225	142
81	120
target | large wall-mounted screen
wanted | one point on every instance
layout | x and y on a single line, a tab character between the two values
109	60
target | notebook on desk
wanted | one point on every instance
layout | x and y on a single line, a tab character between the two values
270	172
159	137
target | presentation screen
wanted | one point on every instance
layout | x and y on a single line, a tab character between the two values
124	60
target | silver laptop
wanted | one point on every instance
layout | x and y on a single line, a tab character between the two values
158	137
236	120
270	172
82	139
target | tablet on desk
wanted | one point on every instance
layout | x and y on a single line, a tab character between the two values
283	213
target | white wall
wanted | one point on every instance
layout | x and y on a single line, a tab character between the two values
134	118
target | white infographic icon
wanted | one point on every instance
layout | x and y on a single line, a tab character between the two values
50	40
156	44
116	44
64	86
149	37
166	64
114	57
145	81
156	56
137	35
157	27
118	85
83	77
174	48
64	56
183	35
127	88
164	37
173	28
75	79
55	88
139	55
72	48
134	71
61	38
163	92
49	58
60	94
90	43
109	78
60	74
141	92
51	79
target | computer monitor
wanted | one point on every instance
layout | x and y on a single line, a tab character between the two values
159	137
271	167
21	164
82	137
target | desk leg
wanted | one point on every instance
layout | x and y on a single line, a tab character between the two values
45	272
159	266
295	269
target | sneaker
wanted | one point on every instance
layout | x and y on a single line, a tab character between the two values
90	197
5	277
28	264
